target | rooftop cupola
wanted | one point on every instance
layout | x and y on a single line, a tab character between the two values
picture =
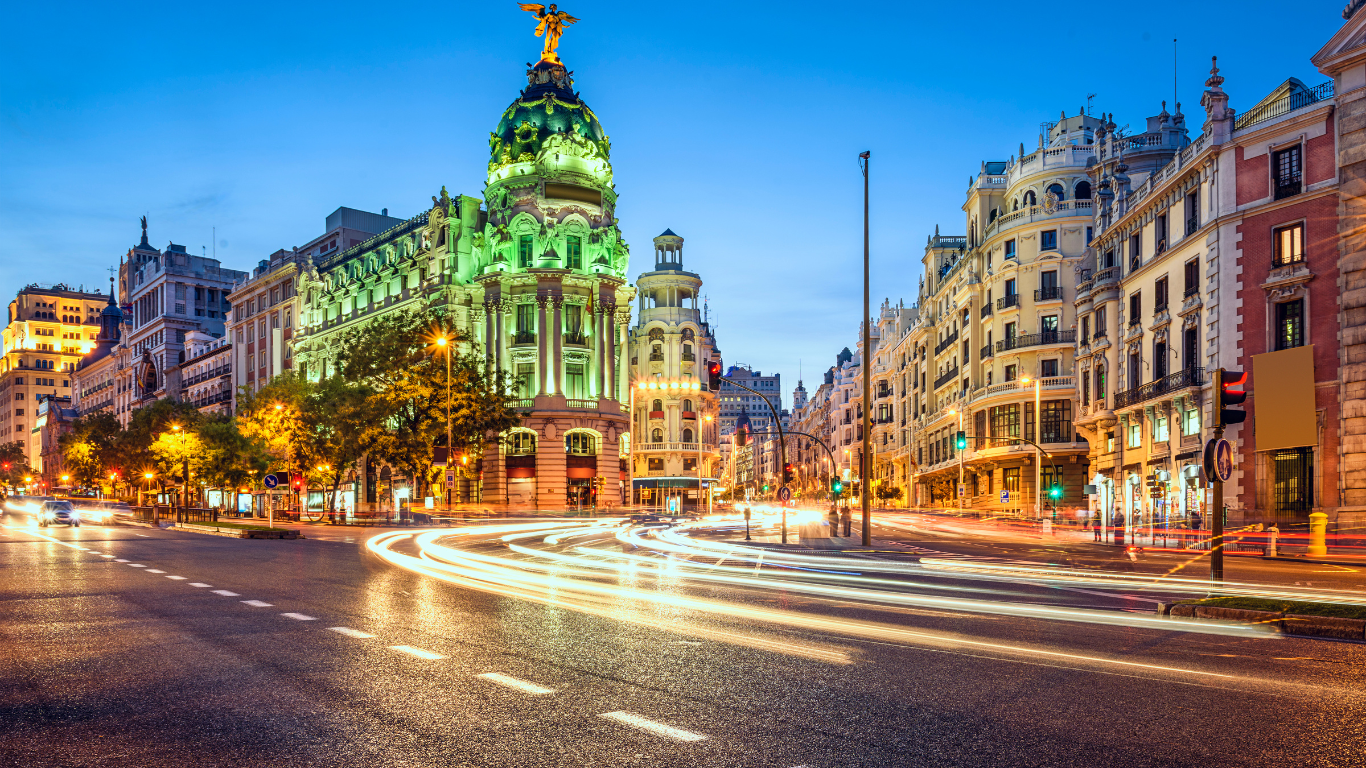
669	251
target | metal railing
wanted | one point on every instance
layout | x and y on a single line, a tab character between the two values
524	337
576	337
1007	301
948	376
1037	340
1048	293
946	343
986	310
986	352
1187	377
1285	105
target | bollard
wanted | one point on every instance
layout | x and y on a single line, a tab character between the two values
1271	534
1318	530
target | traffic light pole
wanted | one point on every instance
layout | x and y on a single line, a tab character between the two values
1216	515
782	442
865	461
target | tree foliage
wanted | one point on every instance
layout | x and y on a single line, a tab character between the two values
14	463
91	449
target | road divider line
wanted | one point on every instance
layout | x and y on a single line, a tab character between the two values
349	632
176	578
225	593
199	584
153	570
299	616
515	683
136	565
418	652
650	726
120	560
258	603
108	556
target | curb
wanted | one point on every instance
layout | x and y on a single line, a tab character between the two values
1289	559
237	533
1287	623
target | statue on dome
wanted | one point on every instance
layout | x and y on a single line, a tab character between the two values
552	24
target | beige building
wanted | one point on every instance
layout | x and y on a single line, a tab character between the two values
48	331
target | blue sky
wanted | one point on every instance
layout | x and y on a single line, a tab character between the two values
738	126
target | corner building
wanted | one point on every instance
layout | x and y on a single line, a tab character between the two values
536	278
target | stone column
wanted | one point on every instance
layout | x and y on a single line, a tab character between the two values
542	346
489	349
556	362
600	343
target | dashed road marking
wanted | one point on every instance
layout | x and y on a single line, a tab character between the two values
136	565
153	570
225	593
258	603
120	560
650	726
418	652
175	578
299	616
515	683
349	632
108	556
143	535
199	584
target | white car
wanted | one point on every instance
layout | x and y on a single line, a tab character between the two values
58	512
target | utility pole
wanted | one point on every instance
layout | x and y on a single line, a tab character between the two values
867	369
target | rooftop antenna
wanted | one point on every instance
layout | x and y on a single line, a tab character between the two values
1089	97
215	242
1174	86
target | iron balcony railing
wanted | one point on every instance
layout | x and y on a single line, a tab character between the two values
1048	293
524	337
946	343
1285	105
948	376
1037	340
1187	377
986	352
1007	301
1288	187
1192	224
577	338
986	309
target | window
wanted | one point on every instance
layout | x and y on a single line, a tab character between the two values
1135	251
1290	324
1190	422
180	309
1293	489
1030	199
1085	329
1049	324
1109	261
687	436
1089	230
1192	286
1083	192
1010	372
574	385
657	407
1010	288
1085	389
1192	211
1010	479
524	251
1048	369
657	436
526	319
1135	309
1048	240
1109	442
1005	421
1289	244
1161	432
1160	233
526	380
521	443
1160	295
1100	323
1190	342
574	258
580	444
1010	249
1285	171
1135	435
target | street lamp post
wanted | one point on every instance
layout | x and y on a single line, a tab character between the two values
450	449
1038	452
867	370
960	452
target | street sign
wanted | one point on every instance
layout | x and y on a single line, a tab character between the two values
450	478
784	494
1219	460
271	481
962	490
1005	497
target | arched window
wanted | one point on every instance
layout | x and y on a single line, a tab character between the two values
581	443
521	442
992	217
687	436
1100	382
687	406
657	435
1083	191
1029	199
1057	191
657	353
1016	206
657	406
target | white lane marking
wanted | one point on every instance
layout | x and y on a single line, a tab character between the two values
225	593
174	578
349	632
153	570
143	535
650	726
418	652
136	565
515	683
199	584
120	560
299	616
108	556
258	603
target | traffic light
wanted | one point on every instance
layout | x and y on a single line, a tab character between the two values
765	487
1225	396
714	375
960	441
836	487
787	473
1055	492
742	431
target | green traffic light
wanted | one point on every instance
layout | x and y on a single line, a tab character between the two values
765	487
1055	492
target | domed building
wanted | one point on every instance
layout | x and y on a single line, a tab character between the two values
535	274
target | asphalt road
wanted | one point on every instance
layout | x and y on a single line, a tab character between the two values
128	646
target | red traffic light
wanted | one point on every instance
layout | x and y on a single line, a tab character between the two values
714	375
1225	382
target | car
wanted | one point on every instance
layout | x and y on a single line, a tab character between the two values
58	512
100	510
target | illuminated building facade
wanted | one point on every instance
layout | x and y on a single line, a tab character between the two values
536	279
674	416
47	333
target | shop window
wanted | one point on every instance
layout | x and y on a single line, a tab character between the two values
655	465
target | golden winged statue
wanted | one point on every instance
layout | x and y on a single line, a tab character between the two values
552	24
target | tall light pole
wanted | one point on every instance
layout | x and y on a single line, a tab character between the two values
960	452
450	449
866	366
1038	452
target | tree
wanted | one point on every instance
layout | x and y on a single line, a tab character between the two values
282	418
886	492
179	453
134	444
90	449
396	359
231	459
14	464
348	430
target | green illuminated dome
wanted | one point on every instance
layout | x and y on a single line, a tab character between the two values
546	109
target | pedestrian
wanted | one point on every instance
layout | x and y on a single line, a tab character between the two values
848	519
834	522
1195	520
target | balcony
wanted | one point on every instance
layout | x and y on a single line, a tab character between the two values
576	338
948	376
1193	290
986	352
1287	187
1037	340
1008	301
1192	224
657	415
986	310
1107	275
1048	293
883	392
579	402
690	415
688	357
1189	377
656	357
524	337
946	343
